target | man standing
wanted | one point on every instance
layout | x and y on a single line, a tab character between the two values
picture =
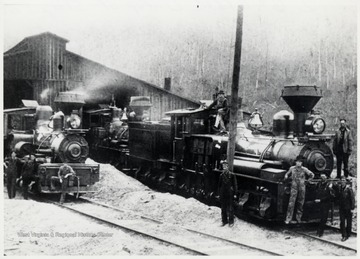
221	104
27	174
227	191
325	196
342	147
297	194
12	166
346	205
65	171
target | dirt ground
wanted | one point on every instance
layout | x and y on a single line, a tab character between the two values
34	228
31	227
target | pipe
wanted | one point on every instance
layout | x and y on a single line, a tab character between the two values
248	167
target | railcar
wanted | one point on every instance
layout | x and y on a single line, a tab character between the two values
51	139
183	155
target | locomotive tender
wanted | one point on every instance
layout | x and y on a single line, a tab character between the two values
52	140
183	155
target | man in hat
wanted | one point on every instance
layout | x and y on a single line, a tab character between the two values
346	206
342	147
65	171
221	104
227	191
325	196
12	166
297	194
27	174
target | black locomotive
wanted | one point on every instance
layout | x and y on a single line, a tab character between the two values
183	154
50	140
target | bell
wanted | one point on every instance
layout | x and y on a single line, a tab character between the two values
256	122
124	117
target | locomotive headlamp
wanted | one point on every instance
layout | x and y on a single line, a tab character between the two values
319	126
74	121
315	124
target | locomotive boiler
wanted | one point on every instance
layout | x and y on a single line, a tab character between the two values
108	135
183	155
52	139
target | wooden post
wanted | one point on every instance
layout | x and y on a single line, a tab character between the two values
234	90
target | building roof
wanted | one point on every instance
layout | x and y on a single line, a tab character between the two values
47	34
135	79
23	46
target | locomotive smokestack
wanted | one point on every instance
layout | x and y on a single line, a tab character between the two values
167	85
301	100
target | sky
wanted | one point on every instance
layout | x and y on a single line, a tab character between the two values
114	32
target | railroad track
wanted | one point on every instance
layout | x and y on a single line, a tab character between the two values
199	243
331	237
353	233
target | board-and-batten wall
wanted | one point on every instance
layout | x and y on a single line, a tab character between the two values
43	62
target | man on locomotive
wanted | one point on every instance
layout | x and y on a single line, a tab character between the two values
342	147
64	173
221	104
227	190
297	194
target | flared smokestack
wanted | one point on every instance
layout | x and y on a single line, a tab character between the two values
301	100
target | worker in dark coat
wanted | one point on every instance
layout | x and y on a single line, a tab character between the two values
342	148
325	197
221	105
12	166
298	174
227	191
27	174
64	173
346	206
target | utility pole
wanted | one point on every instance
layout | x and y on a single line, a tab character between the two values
234	90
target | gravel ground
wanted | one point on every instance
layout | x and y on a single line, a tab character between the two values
121	191
191	213
56	231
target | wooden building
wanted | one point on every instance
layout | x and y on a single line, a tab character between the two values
39	67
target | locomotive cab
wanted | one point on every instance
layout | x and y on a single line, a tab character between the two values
261	158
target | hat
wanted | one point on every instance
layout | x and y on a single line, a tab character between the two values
342	119
223	162
221	92
299	158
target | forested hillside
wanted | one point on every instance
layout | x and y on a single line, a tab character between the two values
305	45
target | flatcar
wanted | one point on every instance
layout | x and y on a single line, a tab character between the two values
183	155
51	139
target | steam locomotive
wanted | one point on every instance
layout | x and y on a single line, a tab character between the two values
183	154
51	140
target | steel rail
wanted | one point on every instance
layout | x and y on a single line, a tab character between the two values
186	228
353	233
113	224
322	240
